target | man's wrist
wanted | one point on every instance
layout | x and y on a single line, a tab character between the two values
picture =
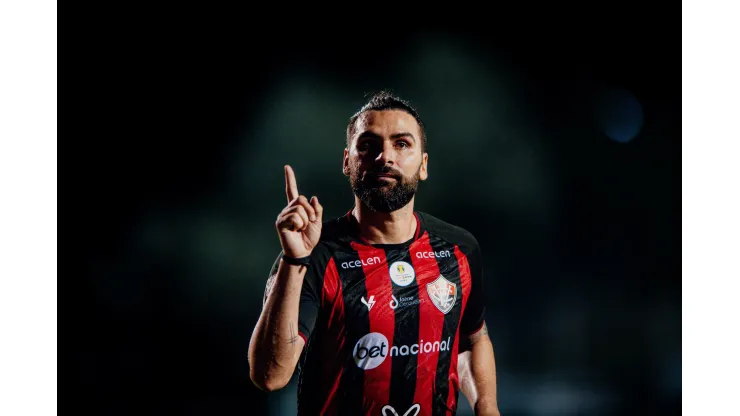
486	408
297	261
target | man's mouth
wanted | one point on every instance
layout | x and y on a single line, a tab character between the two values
383	176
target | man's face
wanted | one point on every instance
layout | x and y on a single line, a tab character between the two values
384	160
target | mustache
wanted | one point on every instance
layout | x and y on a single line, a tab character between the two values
384	170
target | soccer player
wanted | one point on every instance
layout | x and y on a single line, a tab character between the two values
383	307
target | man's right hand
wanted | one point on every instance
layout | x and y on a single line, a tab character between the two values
275	346
299	223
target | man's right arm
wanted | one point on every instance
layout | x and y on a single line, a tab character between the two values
275	346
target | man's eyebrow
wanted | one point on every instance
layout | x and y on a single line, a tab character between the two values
367	134
403	134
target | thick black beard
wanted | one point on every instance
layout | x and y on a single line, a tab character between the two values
382	196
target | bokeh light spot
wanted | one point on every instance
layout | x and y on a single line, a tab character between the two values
619	115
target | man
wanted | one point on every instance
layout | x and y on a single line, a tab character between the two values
384	306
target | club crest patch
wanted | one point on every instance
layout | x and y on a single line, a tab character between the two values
443	294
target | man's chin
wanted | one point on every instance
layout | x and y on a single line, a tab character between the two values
383	187
382	183
385	201
377	206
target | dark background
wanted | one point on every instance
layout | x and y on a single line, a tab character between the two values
558	146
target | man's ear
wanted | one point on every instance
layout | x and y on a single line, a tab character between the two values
345	163
423	173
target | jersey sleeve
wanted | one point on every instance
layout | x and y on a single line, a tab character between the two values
310	300
475	309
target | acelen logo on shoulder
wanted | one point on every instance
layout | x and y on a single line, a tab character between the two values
372	349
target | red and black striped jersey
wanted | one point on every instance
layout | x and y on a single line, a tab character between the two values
383	322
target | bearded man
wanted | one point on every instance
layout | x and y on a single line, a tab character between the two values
383	308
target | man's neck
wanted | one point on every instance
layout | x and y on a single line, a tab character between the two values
385	227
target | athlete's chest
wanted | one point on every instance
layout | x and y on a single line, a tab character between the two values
381	289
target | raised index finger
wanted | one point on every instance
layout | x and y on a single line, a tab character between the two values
291	189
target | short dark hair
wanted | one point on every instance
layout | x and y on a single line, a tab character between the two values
384	100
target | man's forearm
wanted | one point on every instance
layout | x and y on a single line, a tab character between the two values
476	369
483	368
275	346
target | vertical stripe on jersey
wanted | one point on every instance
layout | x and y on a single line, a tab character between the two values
333	341
431	320
314	389
356	325
405	333
466	282
379	289
449	268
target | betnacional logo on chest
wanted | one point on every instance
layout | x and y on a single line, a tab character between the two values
402	273
372	349
443	294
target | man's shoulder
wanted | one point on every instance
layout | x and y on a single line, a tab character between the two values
448	231
333	230
333	237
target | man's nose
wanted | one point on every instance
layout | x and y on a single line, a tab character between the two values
387	155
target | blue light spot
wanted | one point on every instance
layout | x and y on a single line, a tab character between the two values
619	115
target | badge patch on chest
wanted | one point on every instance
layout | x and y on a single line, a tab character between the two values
402	273
443	293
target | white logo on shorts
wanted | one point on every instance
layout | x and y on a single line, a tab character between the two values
388	410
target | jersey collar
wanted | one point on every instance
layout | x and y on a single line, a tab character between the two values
353	229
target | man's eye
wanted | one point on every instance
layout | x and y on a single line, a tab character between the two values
403	144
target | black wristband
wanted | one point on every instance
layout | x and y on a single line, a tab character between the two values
302	261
